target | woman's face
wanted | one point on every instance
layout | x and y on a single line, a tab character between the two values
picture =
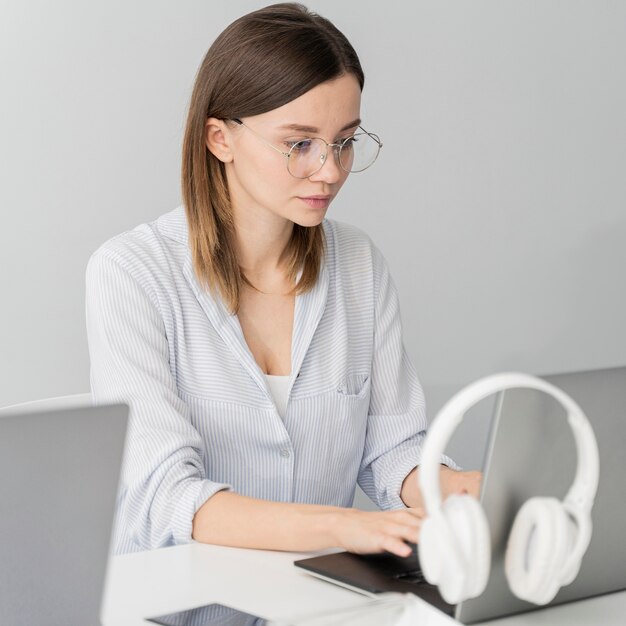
258	180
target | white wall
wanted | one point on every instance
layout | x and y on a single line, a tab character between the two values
499	197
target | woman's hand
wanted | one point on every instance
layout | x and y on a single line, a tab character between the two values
453	482
366	532
450	481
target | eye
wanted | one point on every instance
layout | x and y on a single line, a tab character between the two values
348	142
299	145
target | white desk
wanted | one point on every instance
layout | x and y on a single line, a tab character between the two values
267	584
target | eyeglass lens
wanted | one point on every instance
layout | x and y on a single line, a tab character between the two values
355	154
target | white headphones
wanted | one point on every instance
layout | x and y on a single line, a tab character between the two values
548	537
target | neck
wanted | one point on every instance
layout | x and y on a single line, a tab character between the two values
261	242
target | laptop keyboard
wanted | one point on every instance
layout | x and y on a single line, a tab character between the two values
414	577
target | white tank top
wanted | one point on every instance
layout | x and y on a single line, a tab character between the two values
279	387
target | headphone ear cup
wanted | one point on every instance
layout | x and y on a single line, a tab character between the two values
480	557
431	547
580	525
454	543
537	549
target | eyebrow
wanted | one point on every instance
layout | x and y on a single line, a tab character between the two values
313	129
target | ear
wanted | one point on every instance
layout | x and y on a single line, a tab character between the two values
217	137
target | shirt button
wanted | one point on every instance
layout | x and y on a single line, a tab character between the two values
285	453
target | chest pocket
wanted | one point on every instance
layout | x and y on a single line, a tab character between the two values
330	427
354	385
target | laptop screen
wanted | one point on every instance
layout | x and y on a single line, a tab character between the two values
59	474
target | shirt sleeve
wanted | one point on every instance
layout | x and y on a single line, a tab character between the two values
163	480
397	414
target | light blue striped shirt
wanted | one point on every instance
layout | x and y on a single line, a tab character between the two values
202	414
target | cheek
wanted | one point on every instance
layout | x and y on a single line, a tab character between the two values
273	185
263	176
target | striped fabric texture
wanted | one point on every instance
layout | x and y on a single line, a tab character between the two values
202	414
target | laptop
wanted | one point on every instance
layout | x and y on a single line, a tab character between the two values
59	472
530	453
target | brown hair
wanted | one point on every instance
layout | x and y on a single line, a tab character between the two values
262	61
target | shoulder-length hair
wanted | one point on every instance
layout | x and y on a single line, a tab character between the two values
262	61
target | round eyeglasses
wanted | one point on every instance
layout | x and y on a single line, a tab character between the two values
307	156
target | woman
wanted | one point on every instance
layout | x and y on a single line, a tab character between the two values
258	344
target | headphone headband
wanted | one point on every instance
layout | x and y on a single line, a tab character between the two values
582	492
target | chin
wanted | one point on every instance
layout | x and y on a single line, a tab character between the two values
309	220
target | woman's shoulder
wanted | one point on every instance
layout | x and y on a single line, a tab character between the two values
150	241
149	252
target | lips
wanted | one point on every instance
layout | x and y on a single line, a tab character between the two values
316	202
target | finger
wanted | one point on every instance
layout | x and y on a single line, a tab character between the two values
403	532
396	546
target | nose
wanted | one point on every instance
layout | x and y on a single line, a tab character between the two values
331	171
